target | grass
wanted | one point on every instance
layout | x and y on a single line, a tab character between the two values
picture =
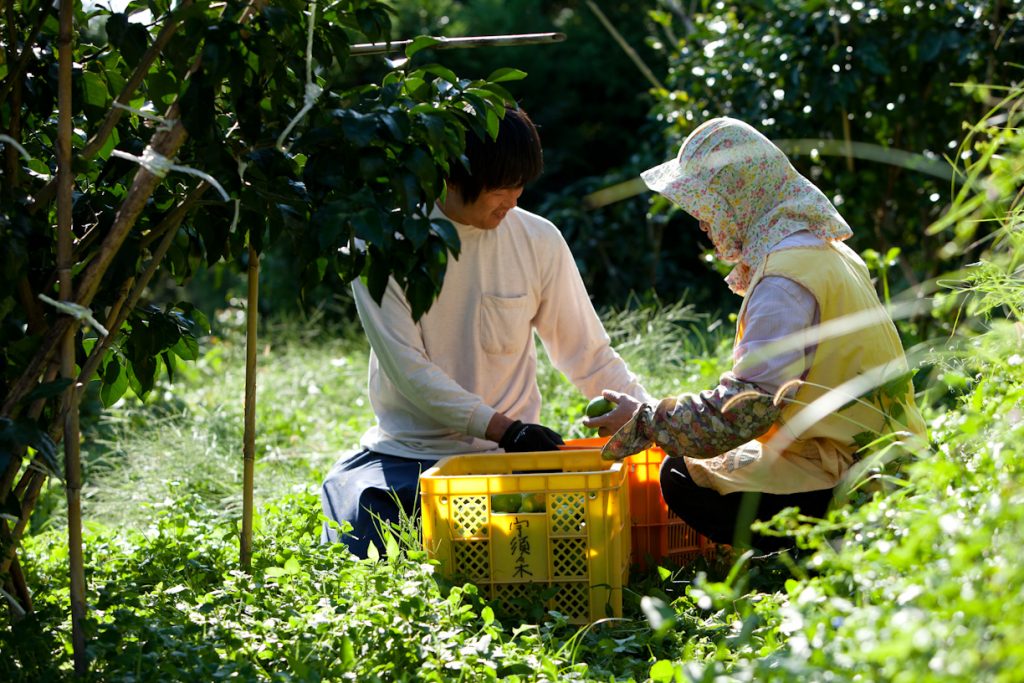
311	406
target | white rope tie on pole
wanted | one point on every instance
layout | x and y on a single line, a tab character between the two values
160	166
7	139
242	165
76	311
312	89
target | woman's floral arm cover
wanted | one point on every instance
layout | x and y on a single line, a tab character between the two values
698	425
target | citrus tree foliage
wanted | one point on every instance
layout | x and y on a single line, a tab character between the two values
259	98
590	104
890	73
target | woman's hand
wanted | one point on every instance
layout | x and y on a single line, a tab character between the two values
611	422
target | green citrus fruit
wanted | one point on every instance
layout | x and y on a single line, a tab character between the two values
599	406
533	502
506	502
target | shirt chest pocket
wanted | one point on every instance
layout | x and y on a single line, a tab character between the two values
505	323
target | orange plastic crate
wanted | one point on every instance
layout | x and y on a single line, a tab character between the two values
657	533
573	552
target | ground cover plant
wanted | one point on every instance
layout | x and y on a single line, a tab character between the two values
919	583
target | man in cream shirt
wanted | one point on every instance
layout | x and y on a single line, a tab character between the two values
463	378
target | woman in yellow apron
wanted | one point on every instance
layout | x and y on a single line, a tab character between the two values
813	346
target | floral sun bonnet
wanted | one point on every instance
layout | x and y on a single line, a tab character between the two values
743	187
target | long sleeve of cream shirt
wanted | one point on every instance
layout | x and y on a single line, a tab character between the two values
435	384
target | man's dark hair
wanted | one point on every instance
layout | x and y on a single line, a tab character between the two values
513	159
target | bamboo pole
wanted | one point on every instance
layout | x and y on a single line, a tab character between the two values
249	437
638	62
72	455
457	43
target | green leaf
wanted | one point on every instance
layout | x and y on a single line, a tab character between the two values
899	385
291	568
663	671
116	26
162	88
377	277
94	90
434	128
442	72
501	92
169	364
115	383
408	189
369	227
186	348
397	123
416	230
348	651
198	319
420	43
447	232
142	374
493	123
422	165
197	107
506	74
390	544
359	128
487	614
420	291
338	41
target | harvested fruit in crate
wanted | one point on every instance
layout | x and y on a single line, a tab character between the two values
546	530
533	502
507	503
511	503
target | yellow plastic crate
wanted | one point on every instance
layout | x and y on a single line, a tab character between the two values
575	552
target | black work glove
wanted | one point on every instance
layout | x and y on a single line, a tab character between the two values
524	438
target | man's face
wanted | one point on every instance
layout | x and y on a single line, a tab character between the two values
486	211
